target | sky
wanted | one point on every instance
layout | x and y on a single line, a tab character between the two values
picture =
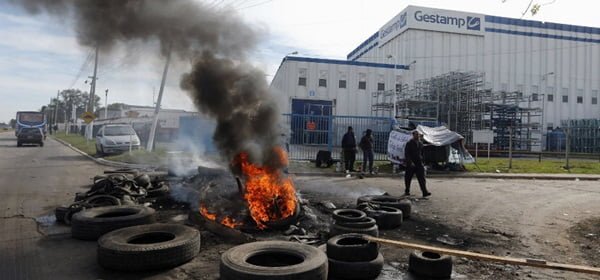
39	54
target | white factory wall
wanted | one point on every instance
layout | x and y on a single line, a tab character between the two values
515	55
347	101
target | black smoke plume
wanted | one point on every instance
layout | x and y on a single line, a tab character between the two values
221	83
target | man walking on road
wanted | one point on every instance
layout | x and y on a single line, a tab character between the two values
349	149
414	164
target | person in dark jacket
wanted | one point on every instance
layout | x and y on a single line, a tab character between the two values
366	145
414	164
349	149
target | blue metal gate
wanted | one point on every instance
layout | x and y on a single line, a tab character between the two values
313	132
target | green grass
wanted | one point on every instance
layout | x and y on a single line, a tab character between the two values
525	165
156	157
78	142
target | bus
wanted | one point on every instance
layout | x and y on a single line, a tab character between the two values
30	119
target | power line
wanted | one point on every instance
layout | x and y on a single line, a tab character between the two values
254	5
84	65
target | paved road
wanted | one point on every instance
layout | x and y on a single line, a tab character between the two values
34	180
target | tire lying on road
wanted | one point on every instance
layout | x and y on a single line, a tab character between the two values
354	270
273	260
352	247
386	217
102	200
335	229
366	222
348	215
390	201
160	190
92	223
148	247
429	264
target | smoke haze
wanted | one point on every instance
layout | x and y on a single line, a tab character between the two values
222	83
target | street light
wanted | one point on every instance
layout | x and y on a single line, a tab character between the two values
292	53
396	89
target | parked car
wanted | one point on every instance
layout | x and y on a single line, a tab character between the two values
30	135
116	138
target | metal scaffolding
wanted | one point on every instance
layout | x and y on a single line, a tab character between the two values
458	100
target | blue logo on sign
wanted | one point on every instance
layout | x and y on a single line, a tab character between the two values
395	26
474	23
403	18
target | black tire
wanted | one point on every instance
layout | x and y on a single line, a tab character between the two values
41	144
337	230
161	190
273	260
386	217
354	270
367	222
60	213
428	264
348	215
102	200
351	247
92	223
148	247
390	201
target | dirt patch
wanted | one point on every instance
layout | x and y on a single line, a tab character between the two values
586	234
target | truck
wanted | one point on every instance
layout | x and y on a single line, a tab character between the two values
30	119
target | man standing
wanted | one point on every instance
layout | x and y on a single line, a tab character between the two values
349	149
366	145
414	164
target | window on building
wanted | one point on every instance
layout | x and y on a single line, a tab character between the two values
550	97
549	126
594	100
342	84
362	85
380	86
302	81
322	82
580	99
534	97
565	99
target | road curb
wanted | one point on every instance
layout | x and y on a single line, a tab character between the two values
520	176
104	162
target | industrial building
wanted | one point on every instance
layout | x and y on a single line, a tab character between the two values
466	70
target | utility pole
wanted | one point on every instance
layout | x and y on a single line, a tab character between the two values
56	108
106	104
568	144
151	137
90	126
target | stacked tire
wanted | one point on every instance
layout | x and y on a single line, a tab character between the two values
351	256
385	217
352	221
397	202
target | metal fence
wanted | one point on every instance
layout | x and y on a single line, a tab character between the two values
308	134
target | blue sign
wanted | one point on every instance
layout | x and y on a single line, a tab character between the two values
474	23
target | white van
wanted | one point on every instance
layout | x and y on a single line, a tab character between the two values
116	138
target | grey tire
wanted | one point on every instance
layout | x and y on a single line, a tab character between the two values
354	270
92	223
273	260
431	265
337	230
148	247
352	247
366	222
390	201
160	190
386	217
102	200
348	215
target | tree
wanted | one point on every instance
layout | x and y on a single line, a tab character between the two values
67	100
13	123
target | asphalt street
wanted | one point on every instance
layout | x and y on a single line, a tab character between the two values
33	181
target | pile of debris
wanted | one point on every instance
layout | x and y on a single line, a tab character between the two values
117	187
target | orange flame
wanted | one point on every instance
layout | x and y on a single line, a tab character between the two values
227	221
270	197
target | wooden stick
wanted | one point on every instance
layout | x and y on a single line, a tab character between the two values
490	258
